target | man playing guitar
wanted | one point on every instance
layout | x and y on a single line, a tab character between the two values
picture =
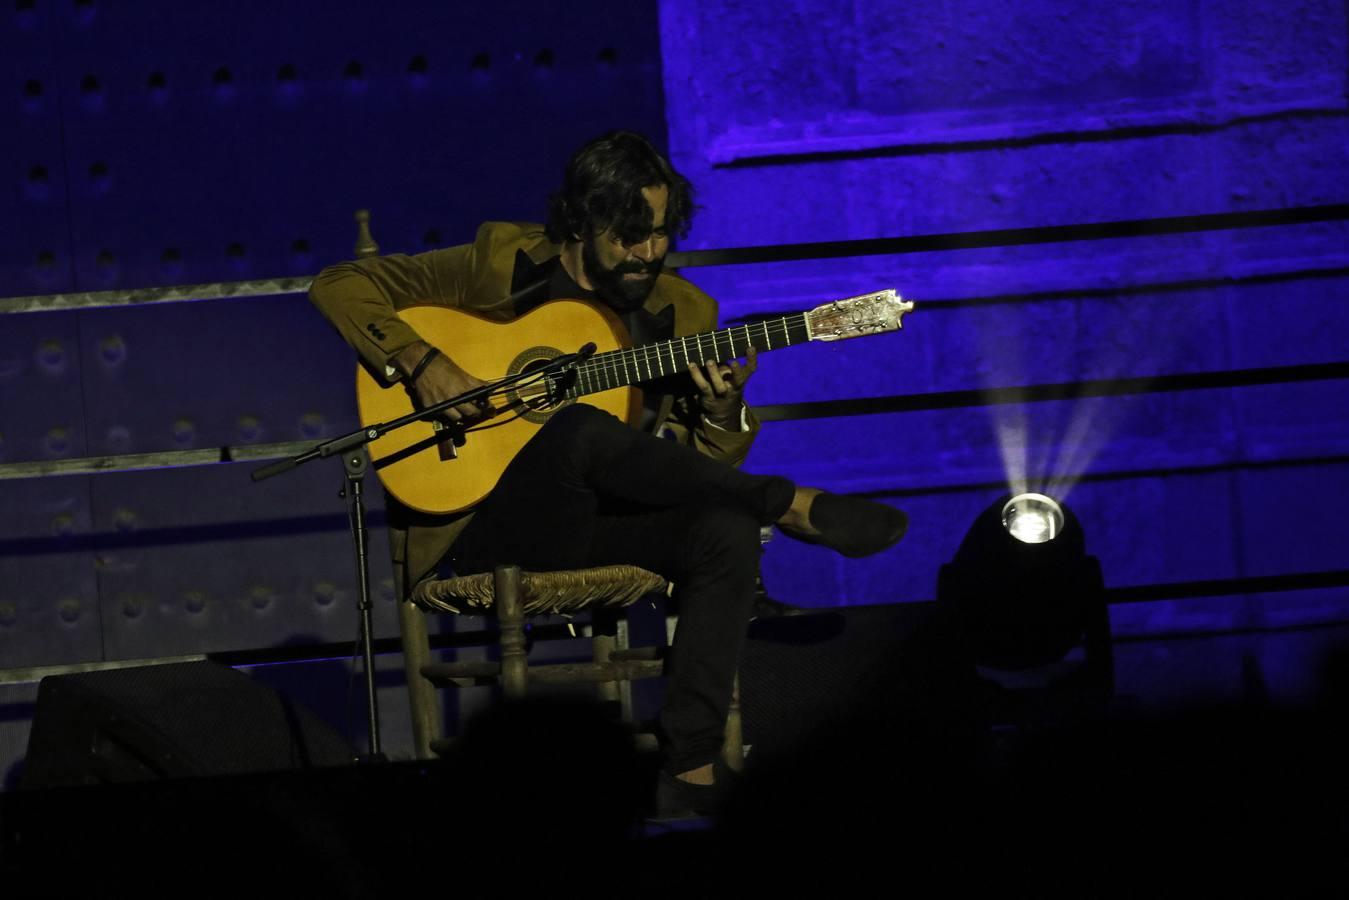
588	489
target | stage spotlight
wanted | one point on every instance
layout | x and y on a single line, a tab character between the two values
1032	518
1023	590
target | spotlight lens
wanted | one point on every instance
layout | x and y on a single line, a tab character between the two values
1032	518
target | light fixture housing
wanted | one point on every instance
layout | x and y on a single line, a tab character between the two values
1022	586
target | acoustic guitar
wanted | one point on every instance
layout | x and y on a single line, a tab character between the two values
421	466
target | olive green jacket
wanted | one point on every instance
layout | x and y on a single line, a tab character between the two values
361	298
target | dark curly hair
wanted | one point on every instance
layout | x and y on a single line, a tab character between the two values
602	189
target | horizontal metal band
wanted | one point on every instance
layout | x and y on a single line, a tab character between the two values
266	287
782	412
1040	393
266	529
1012	237
1050	483
33	674
1225	587
167	459
963	240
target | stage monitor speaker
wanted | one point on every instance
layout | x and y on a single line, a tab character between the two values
167	721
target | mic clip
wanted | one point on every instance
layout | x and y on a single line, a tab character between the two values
563	376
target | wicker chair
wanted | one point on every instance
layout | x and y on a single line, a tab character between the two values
513	596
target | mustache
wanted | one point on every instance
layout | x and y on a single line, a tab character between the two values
635	267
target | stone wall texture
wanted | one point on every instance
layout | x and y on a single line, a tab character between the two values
812	121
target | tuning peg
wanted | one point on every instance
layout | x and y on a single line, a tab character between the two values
365	244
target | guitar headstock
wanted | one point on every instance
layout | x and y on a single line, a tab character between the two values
872	313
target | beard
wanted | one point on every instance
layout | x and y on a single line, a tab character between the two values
612	286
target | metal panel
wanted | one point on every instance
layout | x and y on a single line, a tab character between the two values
36	257
49	611
219	145
41	396
197	560
213	374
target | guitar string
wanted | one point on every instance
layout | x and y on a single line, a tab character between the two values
701	343
634	359
630	365
518	407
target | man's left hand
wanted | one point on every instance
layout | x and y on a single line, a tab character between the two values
721	389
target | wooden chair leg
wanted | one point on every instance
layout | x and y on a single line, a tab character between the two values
603	643
511	620
424	699
733	744
623	641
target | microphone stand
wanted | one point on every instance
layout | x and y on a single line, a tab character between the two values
355	460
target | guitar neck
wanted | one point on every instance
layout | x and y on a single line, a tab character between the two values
634	365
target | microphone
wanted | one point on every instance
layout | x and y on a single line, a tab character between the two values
564	375
557	363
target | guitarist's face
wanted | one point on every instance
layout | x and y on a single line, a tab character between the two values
624	272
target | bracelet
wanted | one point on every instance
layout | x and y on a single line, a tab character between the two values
421	366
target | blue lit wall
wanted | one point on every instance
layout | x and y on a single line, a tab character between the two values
813	121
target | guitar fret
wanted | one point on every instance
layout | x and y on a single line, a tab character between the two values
634	365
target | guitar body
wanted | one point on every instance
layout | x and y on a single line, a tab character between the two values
414	462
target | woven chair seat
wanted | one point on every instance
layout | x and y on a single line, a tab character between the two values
543	593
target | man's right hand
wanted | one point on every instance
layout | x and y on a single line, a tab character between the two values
440	380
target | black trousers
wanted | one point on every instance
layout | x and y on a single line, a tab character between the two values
588	490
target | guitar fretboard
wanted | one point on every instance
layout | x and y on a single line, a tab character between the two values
620	368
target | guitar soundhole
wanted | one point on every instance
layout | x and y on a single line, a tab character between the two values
534	399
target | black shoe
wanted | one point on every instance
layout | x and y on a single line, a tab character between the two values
765	607
852	526
679	799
